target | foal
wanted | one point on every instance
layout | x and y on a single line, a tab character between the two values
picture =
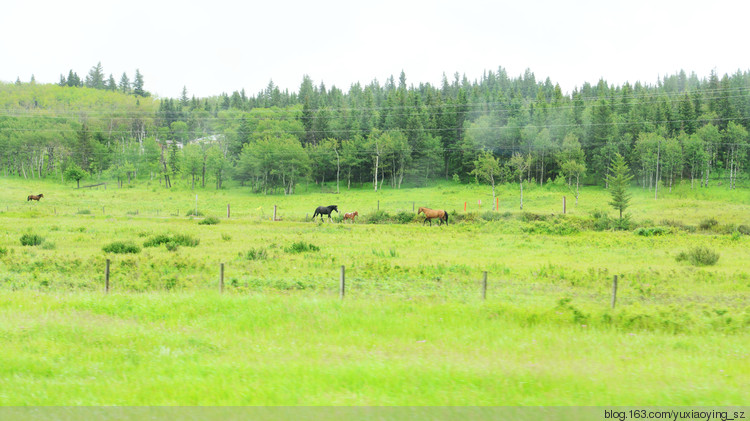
351	215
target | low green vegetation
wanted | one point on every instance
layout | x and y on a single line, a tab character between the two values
31	240
121	247
699	256
412	328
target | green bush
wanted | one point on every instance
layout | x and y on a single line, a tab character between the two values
31	240
3	251
185	240
301	247
157	240
171	246
84	212
211	220
177	239
556	226
256	254
651	231
699	256
457	217
121	247
529	217
744	229
600	221
707	224
405	217
192	212
678	225
495	216
378	217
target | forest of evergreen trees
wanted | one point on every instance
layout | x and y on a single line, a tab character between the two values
683	129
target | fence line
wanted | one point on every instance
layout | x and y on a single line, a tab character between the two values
499	289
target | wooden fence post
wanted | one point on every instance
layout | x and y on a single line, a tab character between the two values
484	285
106	278
614	291
227	210
221	278
274	213
342	283
378	204
564	210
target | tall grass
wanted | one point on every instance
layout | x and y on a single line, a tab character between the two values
412	328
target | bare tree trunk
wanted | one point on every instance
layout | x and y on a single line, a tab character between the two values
338	169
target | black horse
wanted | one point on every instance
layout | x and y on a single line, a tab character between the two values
325	210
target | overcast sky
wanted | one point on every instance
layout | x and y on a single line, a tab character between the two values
222	46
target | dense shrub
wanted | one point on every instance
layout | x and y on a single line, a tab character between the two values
405	217
457	217
377	217
556	226
185	240
31	240
177	239
529	217
157	240
192	212
699	256
301	247
709	223
211	220
495	216
121	247
256	254
678	225
3	251
651	231
600	221
84	212
744	229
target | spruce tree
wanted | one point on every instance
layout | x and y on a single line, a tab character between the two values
138	84
619	179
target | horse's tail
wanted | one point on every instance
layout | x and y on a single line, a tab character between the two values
446	217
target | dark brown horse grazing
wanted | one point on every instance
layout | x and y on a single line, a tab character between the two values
429	214
351	215
34	197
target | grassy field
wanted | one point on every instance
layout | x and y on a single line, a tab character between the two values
413	329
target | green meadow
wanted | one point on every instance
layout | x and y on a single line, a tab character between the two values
412	329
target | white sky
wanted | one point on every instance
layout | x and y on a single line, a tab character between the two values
222	46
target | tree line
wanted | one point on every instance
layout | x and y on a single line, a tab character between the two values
496	129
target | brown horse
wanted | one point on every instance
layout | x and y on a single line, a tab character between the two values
429	214
34	197
351	215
